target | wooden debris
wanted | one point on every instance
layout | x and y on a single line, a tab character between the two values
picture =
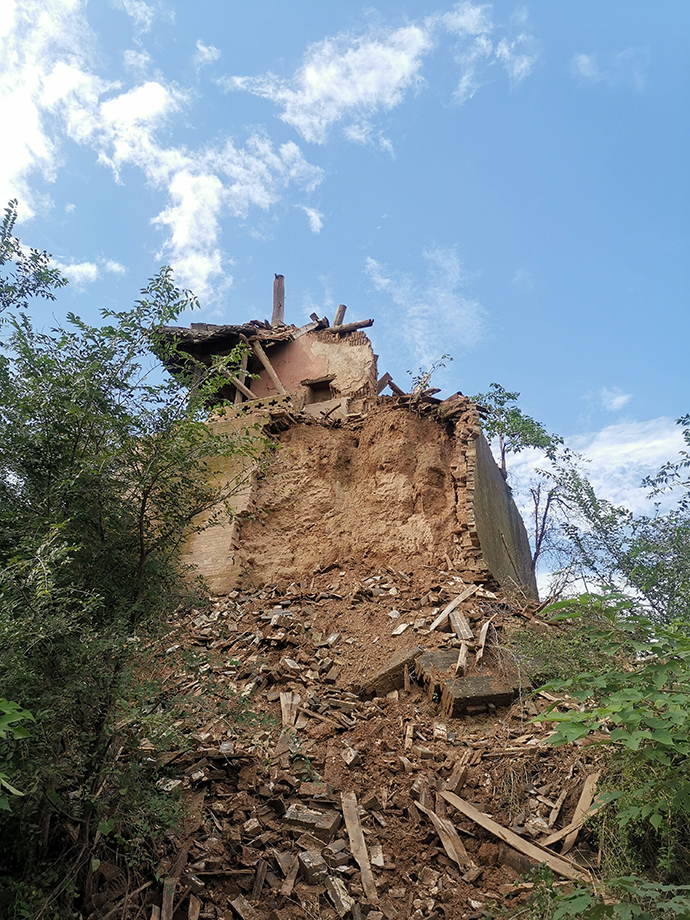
357	844
244	909
481	643
289	707
556	810
270	370
446	612
449	837
581	810
261	869
461	665
290	878
460	626
350	327
340	899
555	863
393	677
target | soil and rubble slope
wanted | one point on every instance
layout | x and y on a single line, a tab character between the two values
339	800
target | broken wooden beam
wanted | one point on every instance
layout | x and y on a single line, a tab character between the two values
309	327
351	327
558	865
452	844
358	845
393	676
481	643
241	379
339	315
446	612
581	810
289	707
270	370
460	626
461	664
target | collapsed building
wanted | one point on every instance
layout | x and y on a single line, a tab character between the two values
364	470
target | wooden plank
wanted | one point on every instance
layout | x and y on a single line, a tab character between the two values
270	370
568	829
358	846
261	870
241	379
555	863
446	612
289	707
278	300
351	327
339	315
461	665
291	877
383	382
303	330
194	908
237	383
581	810
556	810
481	643
460	626
452	844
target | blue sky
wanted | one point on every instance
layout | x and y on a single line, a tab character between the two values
507	183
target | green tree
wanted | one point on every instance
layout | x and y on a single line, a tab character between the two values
647	554
30	274
107	466
515	431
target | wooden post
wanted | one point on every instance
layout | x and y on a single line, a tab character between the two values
339	315
278	300
263	357
242	378
237	383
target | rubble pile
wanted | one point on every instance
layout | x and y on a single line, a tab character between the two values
377	759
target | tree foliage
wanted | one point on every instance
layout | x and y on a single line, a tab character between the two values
107	466
514	430
28	274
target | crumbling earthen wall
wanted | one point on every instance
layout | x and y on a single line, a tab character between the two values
386	488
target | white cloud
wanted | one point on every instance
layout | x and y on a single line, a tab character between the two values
142	13
79	273
137	62
205	54
315	219
468	19
434	316
624	68
477	50
518	57
586	67
36	36
620	456
115	268
350	78
345	77
69	208
615	399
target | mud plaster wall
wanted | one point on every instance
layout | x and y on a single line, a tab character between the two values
213	551
350	358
